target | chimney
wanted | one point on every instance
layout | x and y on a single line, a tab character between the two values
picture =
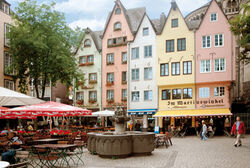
162	19
173	5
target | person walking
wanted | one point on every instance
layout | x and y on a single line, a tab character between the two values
204	130
238	129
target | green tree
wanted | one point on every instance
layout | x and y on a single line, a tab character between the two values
240	26
42	47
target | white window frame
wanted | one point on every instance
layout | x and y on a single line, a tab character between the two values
110	77
149	75
145	29
206	41
80	95
150	96
124	55
220	65
134	93
135	76
110	58
110	94
205	66
7	84
219	40
124	93
132	53
93	77
220	88
147	50
211	17
117	26
6	29
202	92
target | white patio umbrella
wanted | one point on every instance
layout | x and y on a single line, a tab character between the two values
11	98
104	113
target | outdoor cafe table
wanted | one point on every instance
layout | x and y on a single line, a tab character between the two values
60	150
4	164
46	141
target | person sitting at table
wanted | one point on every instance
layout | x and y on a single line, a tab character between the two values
96	125
30	128
5	131
15	139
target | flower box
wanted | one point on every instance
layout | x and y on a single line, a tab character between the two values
124	62
92	101
79	102
82	64
93	82
110	63
110	101
90	63
110	83
124	99
124	82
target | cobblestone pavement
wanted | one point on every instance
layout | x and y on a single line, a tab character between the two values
188	152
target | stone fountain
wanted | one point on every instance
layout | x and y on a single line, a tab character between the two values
120	143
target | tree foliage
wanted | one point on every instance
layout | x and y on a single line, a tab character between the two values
240	26
41	47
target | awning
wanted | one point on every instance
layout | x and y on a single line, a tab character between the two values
194	112
141	111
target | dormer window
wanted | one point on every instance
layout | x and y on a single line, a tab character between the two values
213	17
118	11
174	23
117	26
87	43
6	8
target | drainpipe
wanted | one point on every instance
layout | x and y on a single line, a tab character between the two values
128	76
195	105
100	108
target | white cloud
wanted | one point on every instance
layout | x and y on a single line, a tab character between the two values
93	24
89	6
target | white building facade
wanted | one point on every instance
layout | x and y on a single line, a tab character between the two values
142	87
89	57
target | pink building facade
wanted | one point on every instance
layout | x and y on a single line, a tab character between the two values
215	60
120	28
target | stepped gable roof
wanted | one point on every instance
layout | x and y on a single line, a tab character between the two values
133	17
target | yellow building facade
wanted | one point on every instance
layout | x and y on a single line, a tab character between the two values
176	66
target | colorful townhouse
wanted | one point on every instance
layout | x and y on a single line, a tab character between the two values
121	26
175	67
89	58
215	62
6	79
142	60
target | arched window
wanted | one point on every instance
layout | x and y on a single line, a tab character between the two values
87	43
118	11
117	26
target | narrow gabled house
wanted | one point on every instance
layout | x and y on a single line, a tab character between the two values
215	62
175	68
121	26
142	86
89	58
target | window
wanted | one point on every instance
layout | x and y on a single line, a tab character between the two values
187	67
204	92
5	8
6	31
206	41
218	40
117	26
148	95
124	94
213	17
145	31
7	64
82	60
135	53
124	57
187	93
124	77
205	66
110	77
119	40
181	44
176	94
90	59
219	91
135	74
219	65
9	84
79	95
110	94
92	95
110	59
92	77
166	94
174	23
118	11
164	69
170	46
86	60
135	96
147	51
110	42
148	73
87	43
176	68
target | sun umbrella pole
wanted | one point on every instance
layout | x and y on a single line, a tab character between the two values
50	123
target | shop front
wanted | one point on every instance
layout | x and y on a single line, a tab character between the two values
144	117
188	121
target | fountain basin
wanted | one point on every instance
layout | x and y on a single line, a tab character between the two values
120	145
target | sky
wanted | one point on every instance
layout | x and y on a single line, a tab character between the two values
93	13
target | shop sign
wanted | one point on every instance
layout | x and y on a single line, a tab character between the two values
190	102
